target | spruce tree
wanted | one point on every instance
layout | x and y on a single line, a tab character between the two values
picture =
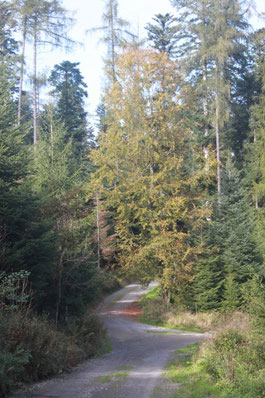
162	34
27	242
70	92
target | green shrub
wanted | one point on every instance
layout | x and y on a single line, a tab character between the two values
236	359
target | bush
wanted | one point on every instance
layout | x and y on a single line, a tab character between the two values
237	359
31	350
89	334
155	309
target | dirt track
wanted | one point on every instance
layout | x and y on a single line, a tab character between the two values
134	366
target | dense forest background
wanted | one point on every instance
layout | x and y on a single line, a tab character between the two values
171	185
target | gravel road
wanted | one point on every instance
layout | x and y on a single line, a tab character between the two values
133	369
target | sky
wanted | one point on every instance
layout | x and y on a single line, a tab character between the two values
90	55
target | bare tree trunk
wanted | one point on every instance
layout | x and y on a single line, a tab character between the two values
52	140
205	112
98	231
112	45
35	86
21	71
59	297
217	134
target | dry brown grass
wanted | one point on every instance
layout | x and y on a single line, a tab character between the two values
209	321
156	310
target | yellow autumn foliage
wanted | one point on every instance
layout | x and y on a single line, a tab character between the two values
149	171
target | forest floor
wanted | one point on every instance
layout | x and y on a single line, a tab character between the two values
135	365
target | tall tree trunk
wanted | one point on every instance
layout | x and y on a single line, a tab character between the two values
59	297
217	132
112	45
205	113
52	141
22	57
98	231
35	86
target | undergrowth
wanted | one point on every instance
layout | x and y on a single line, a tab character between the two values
31	349
156	311
231	364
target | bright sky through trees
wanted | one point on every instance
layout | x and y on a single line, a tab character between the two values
90	52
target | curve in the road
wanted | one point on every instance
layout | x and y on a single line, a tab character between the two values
134	366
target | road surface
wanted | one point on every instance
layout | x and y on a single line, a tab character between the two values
134	367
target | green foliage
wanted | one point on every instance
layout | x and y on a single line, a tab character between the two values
231	295
236	359
12	367
230	254
70	92
192	375
13	293
162	34
254	294
154	310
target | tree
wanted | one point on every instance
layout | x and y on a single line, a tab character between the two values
27	242
45	22
256	157
70	92
58	180
115	29
211	32
162	34
144	171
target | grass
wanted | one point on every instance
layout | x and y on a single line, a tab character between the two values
109	378
192	381
106	348
161	332
157	312
104	379
121	375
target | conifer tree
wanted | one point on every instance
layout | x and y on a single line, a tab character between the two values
211	32
162	34
115	36
143	171
44	22
26	239
70	92
58	179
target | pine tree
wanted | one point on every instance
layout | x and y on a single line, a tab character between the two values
58	180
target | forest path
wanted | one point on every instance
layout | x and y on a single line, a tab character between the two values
133	369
